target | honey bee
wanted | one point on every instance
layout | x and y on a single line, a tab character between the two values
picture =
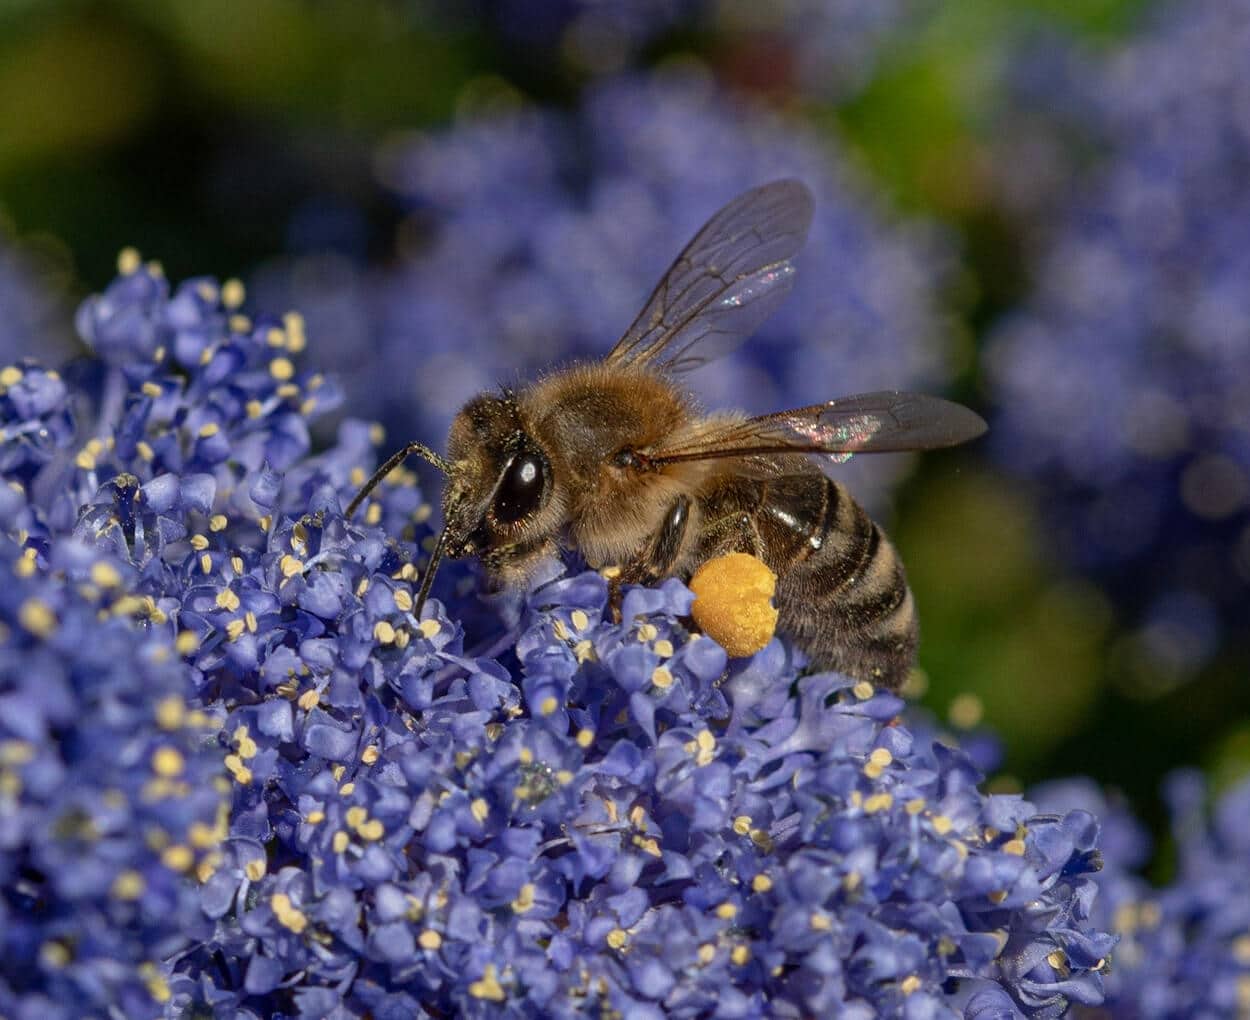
613	458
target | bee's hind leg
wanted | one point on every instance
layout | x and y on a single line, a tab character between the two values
734	532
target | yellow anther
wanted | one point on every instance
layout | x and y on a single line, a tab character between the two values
37	617
233	294
167	762
128	885
488	987
177	857
525	898
293	323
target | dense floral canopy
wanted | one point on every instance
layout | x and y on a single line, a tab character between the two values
245	779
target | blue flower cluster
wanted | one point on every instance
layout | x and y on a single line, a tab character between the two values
520	253
1184	949
568	815
1122	384
112	788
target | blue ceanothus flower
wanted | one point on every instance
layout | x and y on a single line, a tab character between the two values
536	237
553	815
1123	380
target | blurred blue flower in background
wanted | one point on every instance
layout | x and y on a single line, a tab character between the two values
573	815
535	236
823	48
1184	948
35	317
1123	383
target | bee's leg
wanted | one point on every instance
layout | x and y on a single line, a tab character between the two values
657	557
734	532
614	596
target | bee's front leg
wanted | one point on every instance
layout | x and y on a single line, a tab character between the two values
657	557
614	593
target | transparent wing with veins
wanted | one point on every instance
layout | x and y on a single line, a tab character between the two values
724	284
887	422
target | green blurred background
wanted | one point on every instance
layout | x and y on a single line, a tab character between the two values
195	131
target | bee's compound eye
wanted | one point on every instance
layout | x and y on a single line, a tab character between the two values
521	488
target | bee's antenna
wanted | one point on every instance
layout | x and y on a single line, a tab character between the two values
435	558
395	460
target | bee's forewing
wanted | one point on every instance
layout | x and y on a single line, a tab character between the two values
886	422
725	283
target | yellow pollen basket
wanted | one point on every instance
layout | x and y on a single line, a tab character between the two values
733	603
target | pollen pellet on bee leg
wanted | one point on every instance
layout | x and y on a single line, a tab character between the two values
733	602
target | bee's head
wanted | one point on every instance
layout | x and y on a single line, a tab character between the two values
501	498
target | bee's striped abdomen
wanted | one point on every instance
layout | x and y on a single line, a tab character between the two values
841	588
